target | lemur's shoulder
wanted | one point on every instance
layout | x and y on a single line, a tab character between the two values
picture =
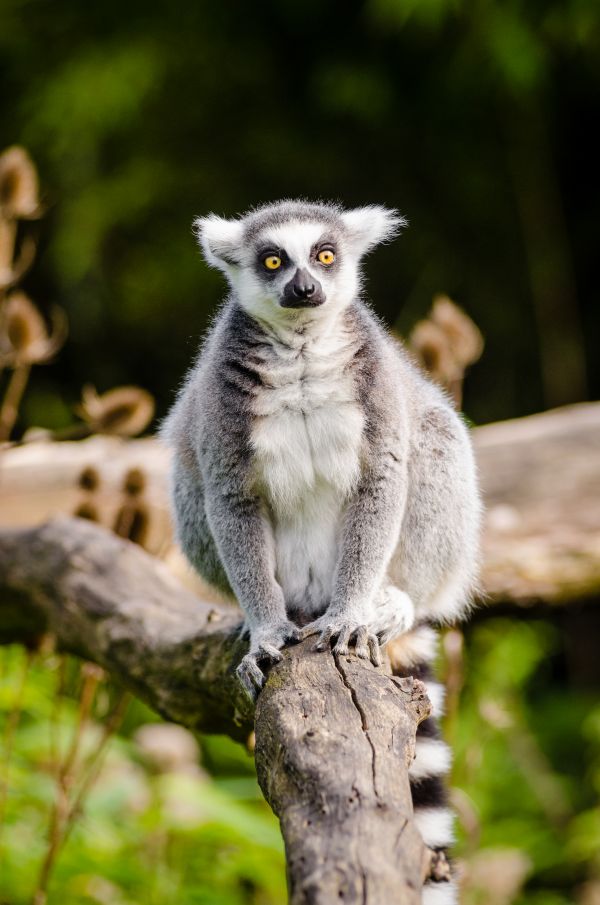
388	369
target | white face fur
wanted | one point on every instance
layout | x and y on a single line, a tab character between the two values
296	268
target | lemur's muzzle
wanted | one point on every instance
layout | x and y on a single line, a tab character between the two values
302	291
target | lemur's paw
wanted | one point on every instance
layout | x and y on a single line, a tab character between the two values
394	614
250	676
264	652
344	636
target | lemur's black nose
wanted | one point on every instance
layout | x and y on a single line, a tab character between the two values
303	285
302	291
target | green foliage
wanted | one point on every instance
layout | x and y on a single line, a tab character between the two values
144	836
471	118
526	760
526	781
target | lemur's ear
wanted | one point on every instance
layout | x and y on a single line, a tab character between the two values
219	239
369	226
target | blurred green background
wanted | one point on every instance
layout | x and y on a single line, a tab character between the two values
476	120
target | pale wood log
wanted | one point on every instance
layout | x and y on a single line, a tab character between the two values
540	477
541	483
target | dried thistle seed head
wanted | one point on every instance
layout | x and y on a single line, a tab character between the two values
92	671
15	258
432	348
135	482
89	479
87	511
133	521
24	325
465	339
125	411
7	251
25	337
19	197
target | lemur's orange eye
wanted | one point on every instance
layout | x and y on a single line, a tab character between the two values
273	262
327	257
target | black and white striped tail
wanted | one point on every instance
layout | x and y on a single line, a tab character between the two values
410	656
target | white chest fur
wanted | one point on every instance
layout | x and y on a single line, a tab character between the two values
307	436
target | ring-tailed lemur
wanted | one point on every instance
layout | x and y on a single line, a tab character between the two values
317	473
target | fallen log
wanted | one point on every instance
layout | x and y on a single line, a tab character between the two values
334	735
540	478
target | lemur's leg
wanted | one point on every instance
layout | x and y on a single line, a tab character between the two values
226	536
436	558
411	655
243	536
191	526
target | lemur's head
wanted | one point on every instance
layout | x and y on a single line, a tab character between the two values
295	256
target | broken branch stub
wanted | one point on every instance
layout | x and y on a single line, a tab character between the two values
334	739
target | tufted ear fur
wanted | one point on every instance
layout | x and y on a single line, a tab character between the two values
219	239
369	226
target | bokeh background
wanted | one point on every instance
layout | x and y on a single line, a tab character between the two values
477	120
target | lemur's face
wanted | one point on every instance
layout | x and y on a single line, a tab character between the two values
294	257
296	265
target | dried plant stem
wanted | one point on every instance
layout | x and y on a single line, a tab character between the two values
12	399
55	716
64	782
65	814
8	238
111	726
9	737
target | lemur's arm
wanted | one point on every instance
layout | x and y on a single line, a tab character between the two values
370	535
242	534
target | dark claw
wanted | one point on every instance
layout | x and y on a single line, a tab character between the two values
374	650
342	644
294	636
251	676
325	638
307	631
361	646
269	653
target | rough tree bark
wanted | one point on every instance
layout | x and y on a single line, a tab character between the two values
334	736
334	739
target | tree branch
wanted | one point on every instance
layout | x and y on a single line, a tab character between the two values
334	736
108	601
334	740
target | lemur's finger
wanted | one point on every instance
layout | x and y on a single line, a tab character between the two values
308	630
361	646
341	645
251	676
374	650
269	652
294	635
246	683
325	639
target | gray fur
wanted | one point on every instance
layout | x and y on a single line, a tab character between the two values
317	473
